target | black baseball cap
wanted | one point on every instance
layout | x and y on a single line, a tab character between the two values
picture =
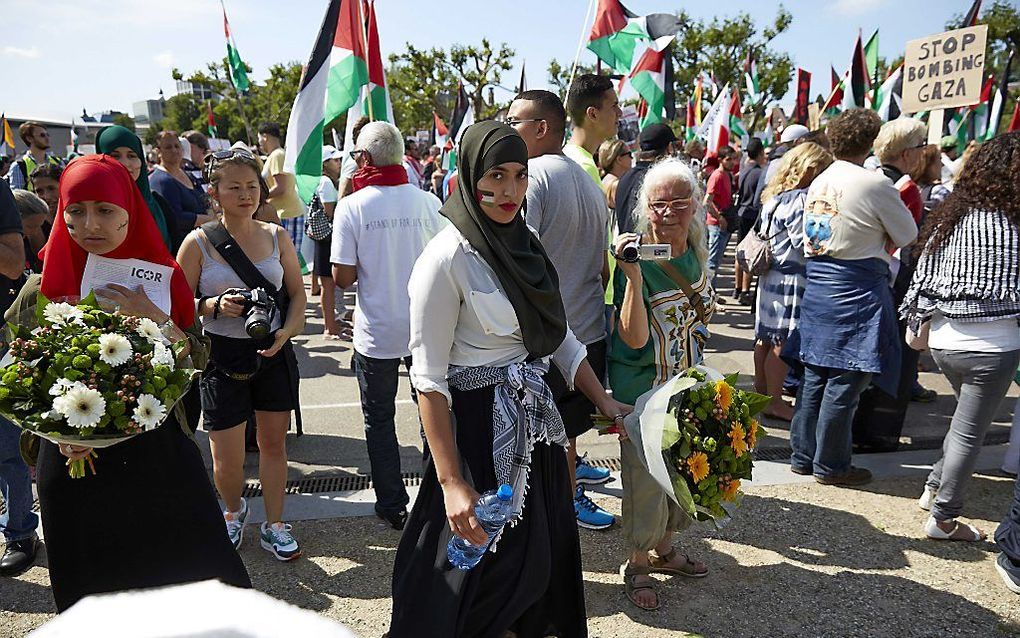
656	137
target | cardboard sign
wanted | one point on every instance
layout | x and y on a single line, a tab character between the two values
944	70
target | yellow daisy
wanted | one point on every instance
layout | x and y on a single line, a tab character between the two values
697	465
752	436
737	441
724	395
729	490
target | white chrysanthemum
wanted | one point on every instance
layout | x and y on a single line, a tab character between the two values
150	330
114	349
62	386
61	313
81	406
149	412
162	356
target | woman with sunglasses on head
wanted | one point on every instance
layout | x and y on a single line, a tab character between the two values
148	516
486	322
246	373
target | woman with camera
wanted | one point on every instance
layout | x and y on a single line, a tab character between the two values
249	330
663	307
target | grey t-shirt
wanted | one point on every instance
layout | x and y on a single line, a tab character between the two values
569	212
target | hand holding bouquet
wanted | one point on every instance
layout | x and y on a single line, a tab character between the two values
89	378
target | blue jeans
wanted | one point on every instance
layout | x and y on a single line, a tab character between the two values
377	381
717	240
16	485
821	434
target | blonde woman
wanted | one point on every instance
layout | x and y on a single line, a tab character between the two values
781	289
614	160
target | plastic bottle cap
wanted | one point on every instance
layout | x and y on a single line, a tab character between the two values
505	492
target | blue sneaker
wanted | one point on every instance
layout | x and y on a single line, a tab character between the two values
587	474
589	515
276	539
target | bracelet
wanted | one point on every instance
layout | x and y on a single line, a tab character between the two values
216	308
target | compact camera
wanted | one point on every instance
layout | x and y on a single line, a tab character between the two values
635	250
259	310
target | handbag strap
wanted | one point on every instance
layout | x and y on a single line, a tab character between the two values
674	273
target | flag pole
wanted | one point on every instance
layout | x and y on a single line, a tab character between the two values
580	42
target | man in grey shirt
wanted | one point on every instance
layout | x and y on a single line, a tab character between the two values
569	212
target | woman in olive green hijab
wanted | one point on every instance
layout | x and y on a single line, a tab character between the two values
125	147
486	322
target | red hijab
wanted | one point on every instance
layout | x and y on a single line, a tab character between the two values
102	178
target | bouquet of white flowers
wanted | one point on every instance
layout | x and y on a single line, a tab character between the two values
88	377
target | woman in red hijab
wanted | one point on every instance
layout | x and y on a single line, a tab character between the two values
149	516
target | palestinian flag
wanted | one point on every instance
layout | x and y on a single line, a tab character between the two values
439	132
971	18
737	129
213	131
7	137
769	136
800	110
690	129
751	78
374	100
715	128
979	122
958	127
616	32
1000	99
238	72
889	96
649	80
833	105
330	84
1014	122
871	61
856	84
463	117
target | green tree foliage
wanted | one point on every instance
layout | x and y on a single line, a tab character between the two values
124	120
720	47
422	81
559	76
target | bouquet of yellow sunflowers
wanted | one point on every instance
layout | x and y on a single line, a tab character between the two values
696	434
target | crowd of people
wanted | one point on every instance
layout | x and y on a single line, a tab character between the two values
502	287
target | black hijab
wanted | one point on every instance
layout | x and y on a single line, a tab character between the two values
512	251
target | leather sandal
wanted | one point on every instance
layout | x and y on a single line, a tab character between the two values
659	565
630	573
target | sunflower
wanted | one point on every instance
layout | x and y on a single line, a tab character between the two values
724	395
752	436
737	441
730	489
697	464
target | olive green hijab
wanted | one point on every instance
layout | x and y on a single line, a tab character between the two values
512	251
113	137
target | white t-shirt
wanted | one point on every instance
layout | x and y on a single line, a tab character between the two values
1001	335
327	191
382	230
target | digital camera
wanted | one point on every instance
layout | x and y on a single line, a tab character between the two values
259	310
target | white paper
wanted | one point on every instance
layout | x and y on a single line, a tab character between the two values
130	273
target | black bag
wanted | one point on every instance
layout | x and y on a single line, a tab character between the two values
227	247
317	225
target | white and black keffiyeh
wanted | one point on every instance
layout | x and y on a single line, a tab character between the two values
523	413
973	276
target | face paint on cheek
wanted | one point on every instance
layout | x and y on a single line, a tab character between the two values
486	197
121	227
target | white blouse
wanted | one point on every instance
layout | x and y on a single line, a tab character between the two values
460	317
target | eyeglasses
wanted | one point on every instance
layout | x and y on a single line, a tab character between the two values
354	155
514	121
675	205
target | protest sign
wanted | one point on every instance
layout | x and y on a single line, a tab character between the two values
944	70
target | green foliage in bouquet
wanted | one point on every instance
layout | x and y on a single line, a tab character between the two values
86	375
708	441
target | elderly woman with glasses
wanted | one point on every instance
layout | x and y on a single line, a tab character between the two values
663	309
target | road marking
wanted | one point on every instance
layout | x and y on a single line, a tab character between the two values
352	404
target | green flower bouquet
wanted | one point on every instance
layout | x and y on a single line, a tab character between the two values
90	378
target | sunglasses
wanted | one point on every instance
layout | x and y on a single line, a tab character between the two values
214	158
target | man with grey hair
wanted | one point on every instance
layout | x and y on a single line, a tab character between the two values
378	233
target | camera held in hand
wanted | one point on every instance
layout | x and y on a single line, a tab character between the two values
259	310
635	251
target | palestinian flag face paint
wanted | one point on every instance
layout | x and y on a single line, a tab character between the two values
486	197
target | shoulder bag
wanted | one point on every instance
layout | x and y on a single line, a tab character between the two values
754	252
317	225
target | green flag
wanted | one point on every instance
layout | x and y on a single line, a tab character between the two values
238	72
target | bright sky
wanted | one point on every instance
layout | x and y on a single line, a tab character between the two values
58	56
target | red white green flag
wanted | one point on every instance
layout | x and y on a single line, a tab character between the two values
238	72
330	84
213	130
751	78
737	128
374	100
648	79
616	33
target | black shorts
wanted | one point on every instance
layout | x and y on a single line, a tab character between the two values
744	227
322	267
574	407
227	401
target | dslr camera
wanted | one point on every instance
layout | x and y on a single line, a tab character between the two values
259	310
635	251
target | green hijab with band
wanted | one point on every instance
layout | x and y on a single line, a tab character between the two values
114	137
512	251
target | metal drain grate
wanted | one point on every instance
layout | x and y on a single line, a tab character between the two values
329	483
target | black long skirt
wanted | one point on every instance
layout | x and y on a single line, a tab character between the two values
531	585
148	518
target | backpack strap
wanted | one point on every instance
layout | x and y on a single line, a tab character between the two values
674	273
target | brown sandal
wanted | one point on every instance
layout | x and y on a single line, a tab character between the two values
690	569
630	572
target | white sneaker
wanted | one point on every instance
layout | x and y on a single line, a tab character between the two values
277	540
235	524
926	499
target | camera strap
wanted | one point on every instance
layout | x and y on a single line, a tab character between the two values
233	254
674	273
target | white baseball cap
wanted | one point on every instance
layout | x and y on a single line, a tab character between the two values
792	133
329	152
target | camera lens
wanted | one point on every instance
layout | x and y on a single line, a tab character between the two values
629	253
257	324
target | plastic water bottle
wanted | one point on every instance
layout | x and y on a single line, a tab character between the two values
492	512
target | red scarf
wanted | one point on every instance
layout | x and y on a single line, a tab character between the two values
394	175
102	178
